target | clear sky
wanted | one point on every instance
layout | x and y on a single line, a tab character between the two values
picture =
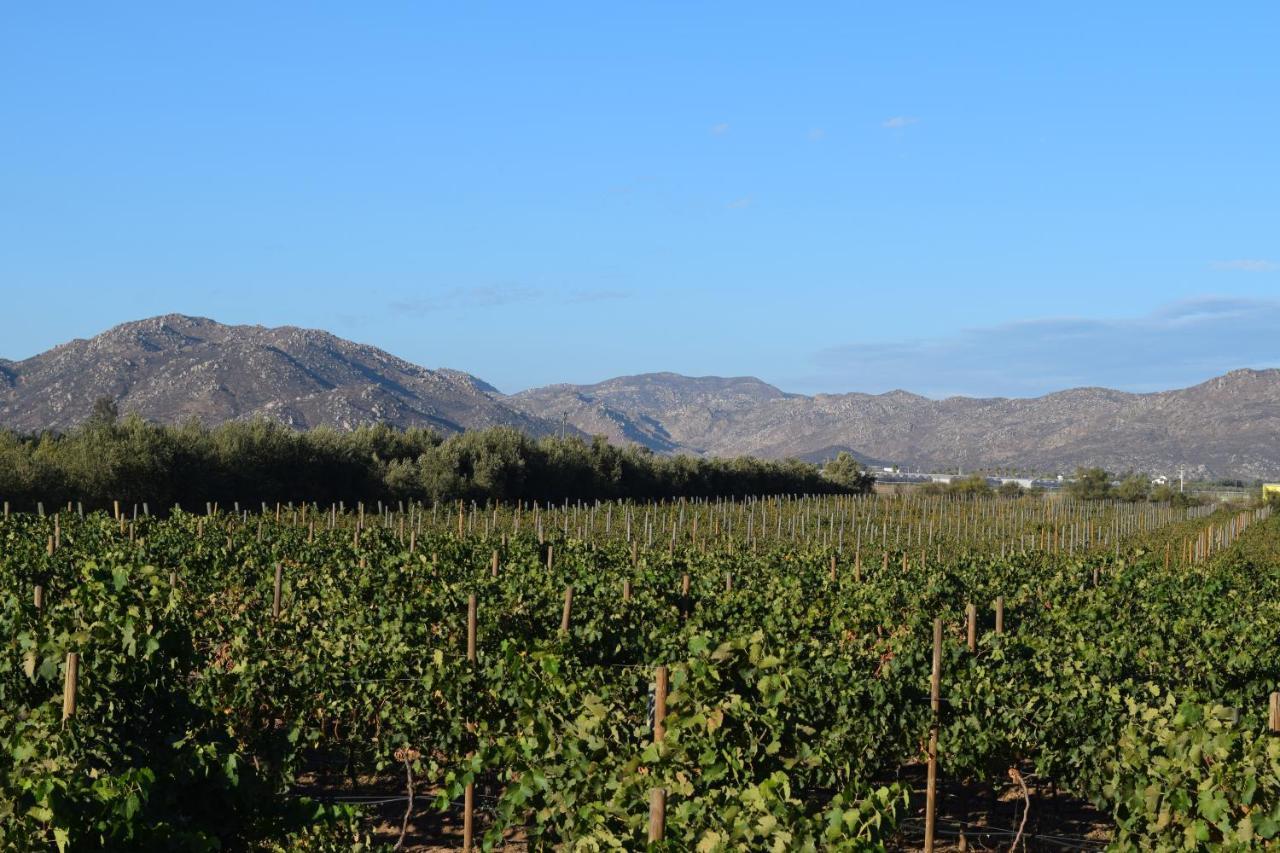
979	198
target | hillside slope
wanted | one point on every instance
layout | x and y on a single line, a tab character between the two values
175	367
1228	426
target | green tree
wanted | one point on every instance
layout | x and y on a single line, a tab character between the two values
1011	489
975	485
845	471
1090	484
104	414
1133	488
127	459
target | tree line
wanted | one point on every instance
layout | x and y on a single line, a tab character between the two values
1100	484
131	460
1089	484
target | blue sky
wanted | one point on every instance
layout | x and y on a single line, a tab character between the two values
950	198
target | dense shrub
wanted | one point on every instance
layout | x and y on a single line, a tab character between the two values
133	461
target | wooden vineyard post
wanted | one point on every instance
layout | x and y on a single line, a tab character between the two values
468	815
471	628
999	614
469	792
69	686
568	608
935	702
971	627
37	598
626	590
657	814
1273	714
550	551
660	686
728	582
833	568
658	796
493	564
275	595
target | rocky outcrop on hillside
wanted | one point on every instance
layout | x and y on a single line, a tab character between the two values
172	368
1226	427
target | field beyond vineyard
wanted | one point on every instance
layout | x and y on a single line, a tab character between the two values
709	675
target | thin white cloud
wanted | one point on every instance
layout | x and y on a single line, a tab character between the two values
720	128
741	203
817	134
1246	265
899	122
1172	347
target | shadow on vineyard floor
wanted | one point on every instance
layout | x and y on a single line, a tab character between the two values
386	802
988	819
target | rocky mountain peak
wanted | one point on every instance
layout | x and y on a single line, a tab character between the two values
174	367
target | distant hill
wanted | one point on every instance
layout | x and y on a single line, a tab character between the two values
1226	427
644	409
171	368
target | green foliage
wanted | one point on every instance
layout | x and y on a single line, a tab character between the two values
1011	489
972	486
133	462
845	471
1133	488
1191	776
794	694
1170	495
141	766
1090	484
104	414
975	485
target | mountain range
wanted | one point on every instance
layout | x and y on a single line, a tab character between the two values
172	368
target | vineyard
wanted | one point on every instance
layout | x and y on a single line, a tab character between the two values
833	672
